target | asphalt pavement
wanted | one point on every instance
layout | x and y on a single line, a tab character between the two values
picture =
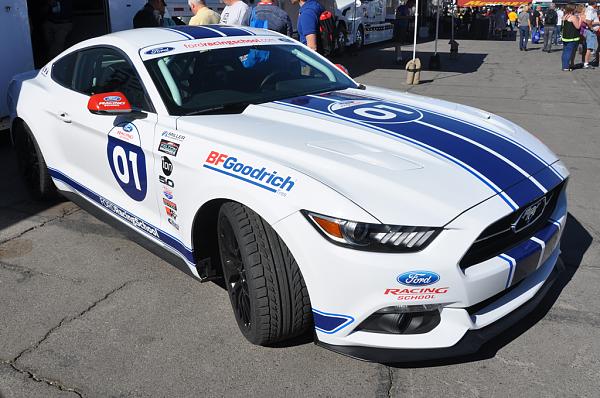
86	312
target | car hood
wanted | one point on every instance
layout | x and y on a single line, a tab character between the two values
405	159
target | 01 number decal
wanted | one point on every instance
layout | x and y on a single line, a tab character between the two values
378	112
127	161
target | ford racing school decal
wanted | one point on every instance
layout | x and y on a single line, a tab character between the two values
127	161
255	175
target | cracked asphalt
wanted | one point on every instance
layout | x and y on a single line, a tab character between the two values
86	312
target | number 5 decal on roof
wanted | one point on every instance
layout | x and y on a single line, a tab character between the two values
127	161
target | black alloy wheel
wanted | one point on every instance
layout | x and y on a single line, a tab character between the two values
265	286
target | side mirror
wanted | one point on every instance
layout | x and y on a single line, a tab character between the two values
342	68
114	103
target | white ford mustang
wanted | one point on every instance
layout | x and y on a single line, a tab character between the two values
397	226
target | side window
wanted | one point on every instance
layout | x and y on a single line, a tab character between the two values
63	70
101	70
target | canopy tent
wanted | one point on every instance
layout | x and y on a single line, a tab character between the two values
479	3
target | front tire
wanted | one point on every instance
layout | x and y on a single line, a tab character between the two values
266	289
32	165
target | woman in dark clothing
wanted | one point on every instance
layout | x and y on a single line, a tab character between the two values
570	37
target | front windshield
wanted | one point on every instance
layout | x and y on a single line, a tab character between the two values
197	81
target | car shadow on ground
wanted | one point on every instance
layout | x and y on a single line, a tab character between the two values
16	204
384	57
575	242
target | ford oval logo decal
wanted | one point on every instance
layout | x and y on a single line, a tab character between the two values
418	278
160	50
112	98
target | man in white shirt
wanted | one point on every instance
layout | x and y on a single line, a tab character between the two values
560	14
236	12
591	40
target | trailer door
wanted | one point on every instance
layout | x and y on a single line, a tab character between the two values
121	13
16	55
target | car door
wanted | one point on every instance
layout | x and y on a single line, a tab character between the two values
107	158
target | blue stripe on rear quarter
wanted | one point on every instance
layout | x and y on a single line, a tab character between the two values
196	32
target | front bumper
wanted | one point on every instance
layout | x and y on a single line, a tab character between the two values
470	344
347	286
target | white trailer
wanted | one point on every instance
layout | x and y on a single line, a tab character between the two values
17	55
16	45
365	21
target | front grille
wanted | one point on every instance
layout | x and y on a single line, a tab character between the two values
499	237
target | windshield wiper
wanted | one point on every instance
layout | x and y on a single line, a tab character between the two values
226	109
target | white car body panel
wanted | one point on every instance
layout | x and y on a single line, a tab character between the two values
373	156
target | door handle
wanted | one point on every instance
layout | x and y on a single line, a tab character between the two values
64	116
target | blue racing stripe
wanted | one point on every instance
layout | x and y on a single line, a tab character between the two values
295	103
501	173
230	31
196	32
510	268
548	178
128	217
505	146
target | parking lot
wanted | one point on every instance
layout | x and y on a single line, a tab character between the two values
86	312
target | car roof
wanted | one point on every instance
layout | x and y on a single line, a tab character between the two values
146	37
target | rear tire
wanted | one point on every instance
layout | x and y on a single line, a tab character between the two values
267	292
359	38
32	165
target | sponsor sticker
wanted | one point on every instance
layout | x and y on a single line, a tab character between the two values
159	50
170	204
167	166
171	213
173	136
168	193
418	278
256	175
130	218
173	223
413	294
167	181
168	147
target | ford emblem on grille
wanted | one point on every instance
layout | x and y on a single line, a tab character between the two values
529	215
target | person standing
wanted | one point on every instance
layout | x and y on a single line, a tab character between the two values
202	14
535	22
550	21
151	15
57	26
236	12
524	26
512	18
591	40
267	14
570	36
308	22
560	14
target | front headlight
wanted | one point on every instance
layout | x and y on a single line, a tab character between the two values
372	237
